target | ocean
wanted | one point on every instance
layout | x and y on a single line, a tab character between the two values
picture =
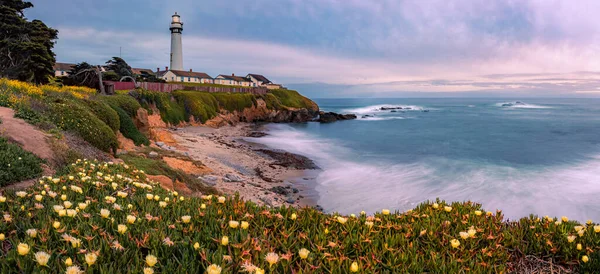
526	156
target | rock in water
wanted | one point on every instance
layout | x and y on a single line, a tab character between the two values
328	117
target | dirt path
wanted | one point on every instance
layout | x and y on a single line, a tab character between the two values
27	136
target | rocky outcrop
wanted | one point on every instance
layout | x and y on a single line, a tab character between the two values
328	117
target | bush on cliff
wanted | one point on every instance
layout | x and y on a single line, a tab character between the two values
74	116
17	164
107	218
105	113
293	99
129	104
201	105
128	128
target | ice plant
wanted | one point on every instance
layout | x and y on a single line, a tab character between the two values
68	262
354	267
148	270
303	252
385	211
221	200
104	213
73	270
186	219
23	249
245	225
42	258
122	229
213	269
32	232
90	258
224	240
131	219
585	259
342	220
233	224
455	243
272	258
447	208
151	260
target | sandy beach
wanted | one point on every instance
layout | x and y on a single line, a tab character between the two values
254	171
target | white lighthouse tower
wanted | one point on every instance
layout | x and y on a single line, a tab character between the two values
176	52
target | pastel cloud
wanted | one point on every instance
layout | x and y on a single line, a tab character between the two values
381	47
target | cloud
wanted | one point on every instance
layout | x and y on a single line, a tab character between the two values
382	47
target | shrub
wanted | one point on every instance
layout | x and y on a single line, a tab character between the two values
202	105
293	99
73	116
17	164
128	128
170	110
235	101
126	102
105	113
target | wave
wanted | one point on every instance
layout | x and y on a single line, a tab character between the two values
350	186
378	108
519	104
379	118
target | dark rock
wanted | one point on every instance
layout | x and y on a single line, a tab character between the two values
280	190
295	190
367	116
425	110
290	200
160	144
153	154
394	111
328	117
256	134
290	160
232	178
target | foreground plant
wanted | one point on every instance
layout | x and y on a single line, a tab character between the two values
106	217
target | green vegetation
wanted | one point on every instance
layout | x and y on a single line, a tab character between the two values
17	164
291	98
132	225
207	85
126	102
128	128
74	116
105	113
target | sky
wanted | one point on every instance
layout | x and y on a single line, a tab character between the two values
351	48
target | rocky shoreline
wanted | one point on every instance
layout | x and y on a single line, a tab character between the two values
257	173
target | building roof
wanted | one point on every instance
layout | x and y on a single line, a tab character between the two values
234	78
63	66
260	78
191	74
139	71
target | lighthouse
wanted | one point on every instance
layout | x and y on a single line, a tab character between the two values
176	52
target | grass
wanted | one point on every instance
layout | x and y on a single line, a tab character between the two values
293	99
128	128
208	85
122	218
17	164
126	102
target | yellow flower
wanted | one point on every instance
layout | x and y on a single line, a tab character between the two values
131	219
579	247
38	197
23	249
597	228
82	206
435	205
71	212
122	229
369	224
234	224
68	262
90	258
148	270
571	238
578	228
564	219
455	243
341	220
294	216
489	213
225	240
478	212
354	267
75	243
259	271
245	225
352	215
303	253
203	206
363	213
196	245
472	232
385	212
149	196
104	213
162	204
326	231
56	225
63	197
67	204
42	258
181	198
447	208
121	194
186	219
272	258
2	237
581	232
73	270
221	200
151	260
2	199
156	197
464	235
21	194
585	259
213	269
32	232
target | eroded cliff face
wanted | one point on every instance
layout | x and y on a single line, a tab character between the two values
260	113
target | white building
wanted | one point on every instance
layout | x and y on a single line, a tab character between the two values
62	69
258	80
185	76
232	80
176	51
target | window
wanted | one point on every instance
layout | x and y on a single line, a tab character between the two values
181	78
189	79
62	72
172	78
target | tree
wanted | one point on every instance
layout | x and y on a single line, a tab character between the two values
119	66
110	76
25	47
